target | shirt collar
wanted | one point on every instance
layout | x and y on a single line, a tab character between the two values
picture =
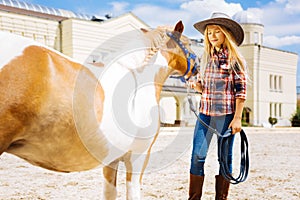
221	57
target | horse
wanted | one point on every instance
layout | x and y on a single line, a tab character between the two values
57	114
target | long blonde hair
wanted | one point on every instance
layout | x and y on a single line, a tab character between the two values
235	59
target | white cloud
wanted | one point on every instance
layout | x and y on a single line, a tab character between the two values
155	15
205	7
119	7
280	1
189	12
281	12
293	6
282	29
275	42
281	22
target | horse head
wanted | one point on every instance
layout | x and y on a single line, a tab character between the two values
181	59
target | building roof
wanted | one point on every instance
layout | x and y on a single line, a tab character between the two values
33	9
246	17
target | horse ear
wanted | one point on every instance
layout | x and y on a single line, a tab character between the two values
97	64
144	30
179	27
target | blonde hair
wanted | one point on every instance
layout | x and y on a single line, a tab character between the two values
235	59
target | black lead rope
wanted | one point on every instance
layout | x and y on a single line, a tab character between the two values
244	163
223	151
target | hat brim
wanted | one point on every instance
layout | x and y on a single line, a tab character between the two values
235	29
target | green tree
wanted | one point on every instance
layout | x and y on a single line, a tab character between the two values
295	120
272	121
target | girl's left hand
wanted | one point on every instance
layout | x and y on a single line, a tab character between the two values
236	125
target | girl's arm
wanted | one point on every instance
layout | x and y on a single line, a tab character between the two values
196	84
236	123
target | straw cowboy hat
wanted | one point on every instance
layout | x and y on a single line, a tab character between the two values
224	20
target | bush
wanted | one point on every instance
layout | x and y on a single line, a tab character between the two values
295	120
272	120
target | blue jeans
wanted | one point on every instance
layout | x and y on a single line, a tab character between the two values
202	139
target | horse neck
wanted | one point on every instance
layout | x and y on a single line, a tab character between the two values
141	63
153	71
155	63
160	72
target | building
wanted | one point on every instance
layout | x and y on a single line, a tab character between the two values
73	34
272	88
87	39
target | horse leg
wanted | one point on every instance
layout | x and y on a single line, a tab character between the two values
110	180
10	127
135	165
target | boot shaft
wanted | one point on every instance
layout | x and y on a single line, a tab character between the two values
196	185
222	188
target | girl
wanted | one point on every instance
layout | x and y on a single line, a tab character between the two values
222	82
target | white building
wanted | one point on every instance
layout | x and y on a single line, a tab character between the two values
272	90
87	39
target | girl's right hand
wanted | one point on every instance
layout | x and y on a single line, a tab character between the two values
194	84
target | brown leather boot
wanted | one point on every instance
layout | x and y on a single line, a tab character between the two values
222	188
196	184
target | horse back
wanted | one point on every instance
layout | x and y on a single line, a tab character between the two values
37	118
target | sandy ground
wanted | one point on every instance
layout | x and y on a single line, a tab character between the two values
274	171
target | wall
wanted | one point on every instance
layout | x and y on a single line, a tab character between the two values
42	30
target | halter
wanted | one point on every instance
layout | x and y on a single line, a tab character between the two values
189	56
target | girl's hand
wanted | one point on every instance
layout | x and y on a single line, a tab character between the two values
194	84
236	125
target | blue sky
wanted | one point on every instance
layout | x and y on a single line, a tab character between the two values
281	18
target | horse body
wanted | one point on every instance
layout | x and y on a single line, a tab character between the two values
131	115
36	119
56	114
124	107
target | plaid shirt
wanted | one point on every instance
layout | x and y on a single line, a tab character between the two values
222	84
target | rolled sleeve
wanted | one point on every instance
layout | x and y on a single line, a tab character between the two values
240	85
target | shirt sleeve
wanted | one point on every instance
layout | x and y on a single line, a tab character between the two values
240	84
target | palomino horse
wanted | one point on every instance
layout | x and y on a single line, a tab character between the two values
56	114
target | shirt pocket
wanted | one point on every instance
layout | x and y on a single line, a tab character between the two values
224	80
220	85
225	73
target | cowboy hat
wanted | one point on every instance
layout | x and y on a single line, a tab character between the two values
224	20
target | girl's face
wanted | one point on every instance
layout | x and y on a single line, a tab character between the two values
215	36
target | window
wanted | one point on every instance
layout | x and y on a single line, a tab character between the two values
279	109
271	82
256	39
275	110
275	83
247	37
280	83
